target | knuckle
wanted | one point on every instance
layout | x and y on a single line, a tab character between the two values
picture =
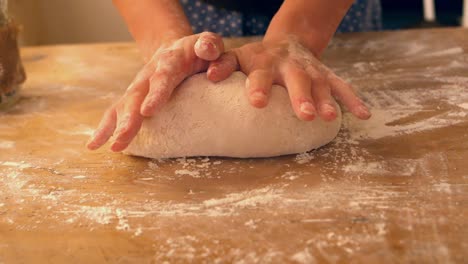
109	112
312	71
263	61
159	76
143	74
226	57
168	54
124	132
262	74
133	87
120	107
322	82
319	79
330	75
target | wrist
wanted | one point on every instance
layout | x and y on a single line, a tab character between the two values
315	42
148	45
153	23
312	23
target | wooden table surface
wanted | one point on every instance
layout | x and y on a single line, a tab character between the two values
393	189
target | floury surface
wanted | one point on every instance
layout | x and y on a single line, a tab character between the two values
391	189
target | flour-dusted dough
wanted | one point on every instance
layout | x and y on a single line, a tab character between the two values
208	119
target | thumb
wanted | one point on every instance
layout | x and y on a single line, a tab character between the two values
208	46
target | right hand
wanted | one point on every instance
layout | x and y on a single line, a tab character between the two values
154	84
287	62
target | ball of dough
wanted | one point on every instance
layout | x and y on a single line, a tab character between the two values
215	119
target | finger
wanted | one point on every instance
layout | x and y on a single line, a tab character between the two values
259	85
108	123
223	67
129	123
344	92
322	95
298	84
140	82
170	72
104	131
209	46
129	118
161	88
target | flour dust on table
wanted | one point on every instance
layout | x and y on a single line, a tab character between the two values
216	119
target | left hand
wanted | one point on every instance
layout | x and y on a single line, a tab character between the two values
288	63
153	86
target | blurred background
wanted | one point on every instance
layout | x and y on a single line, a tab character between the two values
49	22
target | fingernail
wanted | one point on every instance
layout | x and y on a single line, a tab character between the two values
198	44
145	109
91	138
326	108
148	109
118	146
203	45
258	96
115	146
212	70
307	108
89	145
363	111
92	147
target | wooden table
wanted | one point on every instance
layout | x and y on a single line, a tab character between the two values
393	189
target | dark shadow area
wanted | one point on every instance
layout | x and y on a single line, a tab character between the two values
401	14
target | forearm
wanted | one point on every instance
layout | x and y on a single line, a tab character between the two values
154	22
312	22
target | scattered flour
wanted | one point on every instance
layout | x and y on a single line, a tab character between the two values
79	130
153	165
251	224
194	174
318	220
122	220
138	231
193	167
450	51
464	105
367	167
290	175
255	197
5	144
381	229
304	158
388	167
303	257
391	118
100	214
20	165
146	179
402	118
443	187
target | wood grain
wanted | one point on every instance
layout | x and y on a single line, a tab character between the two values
393	189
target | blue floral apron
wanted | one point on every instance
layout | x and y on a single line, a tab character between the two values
364	15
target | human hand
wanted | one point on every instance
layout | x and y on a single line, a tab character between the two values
309	82
154	84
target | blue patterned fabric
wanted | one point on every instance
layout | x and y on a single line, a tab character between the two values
364	15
